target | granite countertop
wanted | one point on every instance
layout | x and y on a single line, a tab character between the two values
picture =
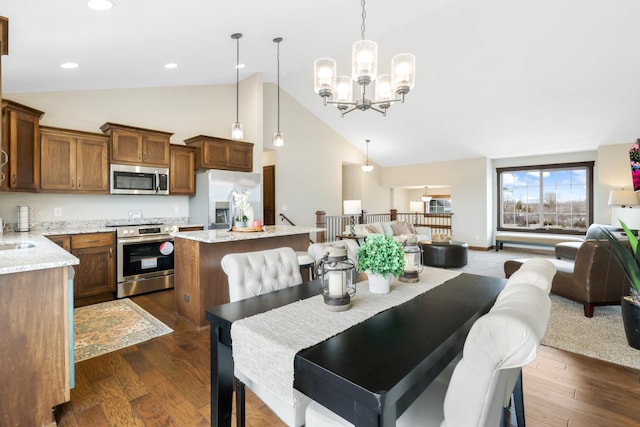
217	236
44	254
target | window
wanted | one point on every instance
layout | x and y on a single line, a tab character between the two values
546	198
439	206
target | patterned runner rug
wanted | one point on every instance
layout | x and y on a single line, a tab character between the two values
109	326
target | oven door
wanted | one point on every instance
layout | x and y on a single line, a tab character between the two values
142	257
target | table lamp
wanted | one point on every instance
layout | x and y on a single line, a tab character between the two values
352	208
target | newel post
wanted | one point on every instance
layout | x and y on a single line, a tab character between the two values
321	222
394	214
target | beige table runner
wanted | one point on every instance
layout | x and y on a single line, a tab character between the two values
265	345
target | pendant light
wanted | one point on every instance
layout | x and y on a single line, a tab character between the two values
236	128
367	167
425	197
278	137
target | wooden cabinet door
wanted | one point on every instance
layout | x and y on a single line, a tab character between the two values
58	162
95	279
215	155
92	165
241	157
24	150
181	171
126	146
155	150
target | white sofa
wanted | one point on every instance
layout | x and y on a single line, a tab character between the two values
387	227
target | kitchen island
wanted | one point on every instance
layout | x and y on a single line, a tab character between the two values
36	296
199	280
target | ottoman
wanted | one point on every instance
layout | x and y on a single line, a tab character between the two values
451	254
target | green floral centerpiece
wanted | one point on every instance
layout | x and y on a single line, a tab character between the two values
380	254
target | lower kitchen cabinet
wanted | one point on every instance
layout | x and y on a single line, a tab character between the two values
95	277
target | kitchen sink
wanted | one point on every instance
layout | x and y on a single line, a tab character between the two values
22	245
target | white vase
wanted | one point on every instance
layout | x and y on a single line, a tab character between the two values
378	284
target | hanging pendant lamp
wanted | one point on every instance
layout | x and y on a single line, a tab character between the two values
425	197
236	128
367	167
278	137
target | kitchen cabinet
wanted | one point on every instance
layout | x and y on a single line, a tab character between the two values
136	146
63	240
34	355
95	275
182	170
220	153
74	161
4	50
21	142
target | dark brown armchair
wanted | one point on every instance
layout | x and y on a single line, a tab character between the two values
594	279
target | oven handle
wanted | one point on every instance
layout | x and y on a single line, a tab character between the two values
132	240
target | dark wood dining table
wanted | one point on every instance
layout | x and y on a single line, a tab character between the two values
370	373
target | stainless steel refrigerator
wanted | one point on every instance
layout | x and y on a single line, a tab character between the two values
213	204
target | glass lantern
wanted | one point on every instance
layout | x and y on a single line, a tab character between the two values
337	278
412	260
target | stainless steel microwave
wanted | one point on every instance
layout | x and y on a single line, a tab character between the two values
127	179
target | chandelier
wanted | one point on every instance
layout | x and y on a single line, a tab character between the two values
389	88
425	197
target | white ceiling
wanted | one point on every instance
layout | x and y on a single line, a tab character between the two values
496	78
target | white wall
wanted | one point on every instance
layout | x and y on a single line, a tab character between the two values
468	180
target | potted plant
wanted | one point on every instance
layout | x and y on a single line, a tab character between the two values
241	203
629	259
381	257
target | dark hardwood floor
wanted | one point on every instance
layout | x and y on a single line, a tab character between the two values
165	382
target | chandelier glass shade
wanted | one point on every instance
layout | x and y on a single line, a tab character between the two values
237	131
389	88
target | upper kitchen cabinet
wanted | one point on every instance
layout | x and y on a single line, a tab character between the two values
74	161
220	153
21	143
136	146
182	170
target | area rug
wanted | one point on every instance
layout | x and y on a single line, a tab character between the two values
109	326
601	337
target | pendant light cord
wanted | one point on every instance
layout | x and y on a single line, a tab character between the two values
278	61
237	78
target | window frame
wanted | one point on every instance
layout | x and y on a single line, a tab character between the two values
588	166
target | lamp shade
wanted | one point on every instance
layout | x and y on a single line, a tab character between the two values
416	206
353	207
622	198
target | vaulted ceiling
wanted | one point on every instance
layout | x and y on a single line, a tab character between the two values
495	78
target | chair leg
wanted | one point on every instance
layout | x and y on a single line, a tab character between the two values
240	403
518	401
588	309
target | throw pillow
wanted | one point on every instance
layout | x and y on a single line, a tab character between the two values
401	227
372	229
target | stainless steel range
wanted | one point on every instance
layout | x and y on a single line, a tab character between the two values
144	258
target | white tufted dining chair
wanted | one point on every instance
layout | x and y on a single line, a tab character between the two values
255	273
474	390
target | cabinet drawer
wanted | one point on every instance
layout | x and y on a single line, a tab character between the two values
92	240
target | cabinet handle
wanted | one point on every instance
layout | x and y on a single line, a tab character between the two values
139	156
144	156
14	179
93	241
79	184
110	251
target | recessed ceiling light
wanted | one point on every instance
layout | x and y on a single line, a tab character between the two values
170	65
100	4
69	65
